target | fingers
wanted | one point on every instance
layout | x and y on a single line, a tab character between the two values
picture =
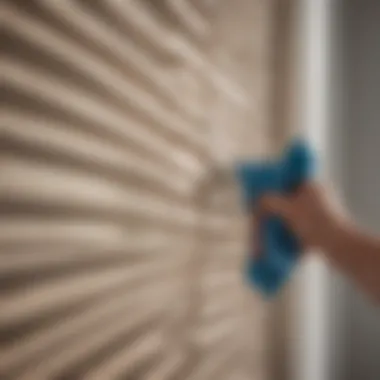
268	205
274	205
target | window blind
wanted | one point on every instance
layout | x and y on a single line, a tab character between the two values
117	260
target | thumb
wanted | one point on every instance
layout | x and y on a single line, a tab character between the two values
274	205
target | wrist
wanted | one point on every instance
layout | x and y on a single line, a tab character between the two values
335	236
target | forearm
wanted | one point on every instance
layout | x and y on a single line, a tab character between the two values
357	254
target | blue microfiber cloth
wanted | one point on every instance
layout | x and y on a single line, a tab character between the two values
269	269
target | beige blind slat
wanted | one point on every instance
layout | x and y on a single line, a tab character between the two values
116	260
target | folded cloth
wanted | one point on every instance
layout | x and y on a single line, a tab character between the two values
270	268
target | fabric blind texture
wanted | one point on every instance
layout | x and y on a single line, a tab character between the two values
117	260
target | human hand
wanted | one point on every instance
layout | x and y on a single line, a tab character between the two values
311	212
